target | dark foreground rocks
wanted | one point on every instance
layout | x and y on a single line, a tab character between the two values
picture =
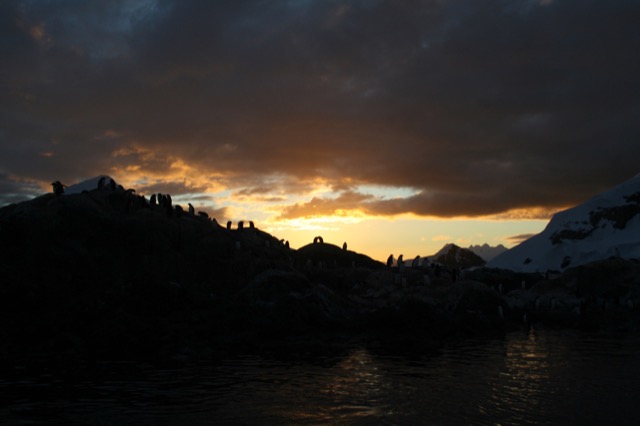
101	275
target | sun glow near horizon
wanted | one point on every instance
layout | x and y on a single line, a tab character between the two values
410	235
342	220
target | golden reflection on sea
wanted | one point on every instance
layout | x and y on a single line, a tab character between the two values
522	384
352	389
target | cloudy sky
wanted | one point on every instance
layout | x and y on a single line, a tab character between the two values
397	126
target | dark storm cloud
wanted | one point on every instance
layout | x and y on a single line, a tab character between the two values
443	205
481	107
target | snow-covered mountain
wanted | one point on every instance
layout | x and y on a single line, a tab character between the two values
604	226
486	251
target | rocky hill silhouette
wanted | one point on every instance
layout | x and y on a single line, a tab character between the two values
107	263
457	257
106	273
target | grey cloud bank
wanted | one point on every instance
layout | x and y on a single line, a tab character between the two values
481	107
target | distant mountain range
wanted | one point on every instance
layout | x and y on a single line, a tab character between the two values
607	225
488	252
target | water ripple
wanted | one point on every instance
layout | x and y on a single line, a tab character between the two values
545	377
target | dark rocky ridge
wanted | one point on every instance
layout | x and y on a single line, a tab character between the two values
102	275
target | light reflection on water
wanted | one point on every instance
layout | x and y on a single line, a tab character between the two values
545	377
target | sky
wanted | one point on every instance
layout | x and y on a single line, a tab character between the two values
395	126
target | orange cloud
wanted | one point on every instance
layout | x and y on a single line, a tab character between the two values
343	205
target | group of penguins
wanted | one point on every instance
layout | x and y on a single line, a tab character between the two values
414	263
159	200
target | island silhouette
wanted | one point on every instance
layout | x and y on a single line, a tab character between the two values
98	271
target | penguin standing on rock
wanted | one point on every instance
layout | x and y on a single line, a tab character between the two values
58	188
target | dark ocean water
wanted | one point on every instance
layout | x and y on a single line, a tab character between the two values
544	377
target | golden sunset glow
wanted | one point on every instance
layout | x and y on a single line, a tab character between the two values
375	124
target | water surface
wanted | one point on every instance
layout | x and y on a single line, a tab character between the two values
543	377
